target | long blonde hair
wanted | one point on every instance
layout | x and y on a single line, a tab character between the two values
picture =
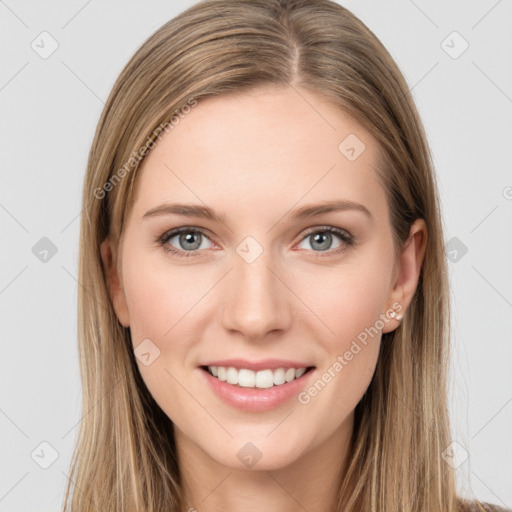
125	456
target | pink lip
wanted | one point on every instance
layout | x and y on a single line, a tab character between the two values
255	399
266	364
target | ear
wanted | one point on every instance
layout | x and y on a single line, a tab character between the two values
114	283
407	275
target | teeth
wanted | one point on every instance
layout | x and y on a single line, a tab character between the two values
264	379
231	376
261	379
300	372
290	375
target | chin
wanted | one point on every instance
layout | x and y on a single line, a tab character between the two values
258	452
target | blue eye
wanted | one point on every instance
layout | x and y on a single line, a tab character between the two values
322	238
191	241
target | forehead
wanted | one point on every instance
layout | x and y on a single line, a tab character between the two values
264	146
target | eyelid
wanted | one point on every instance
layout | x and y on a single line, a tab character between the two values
346	237
347	240
171	233
327	228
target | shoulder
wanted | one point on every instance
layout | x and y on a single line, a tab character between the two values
477	506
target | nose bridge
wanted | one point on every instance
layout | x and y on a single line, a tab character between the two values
256	301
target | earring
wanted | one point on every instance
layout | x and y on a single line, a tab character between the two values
395	316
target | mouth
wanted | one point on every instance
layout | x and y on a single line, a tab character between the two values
261	379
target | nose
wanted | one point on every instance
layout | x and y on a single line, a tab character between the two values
256	302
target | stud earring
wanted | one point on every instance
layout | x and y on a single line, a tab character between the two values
395	316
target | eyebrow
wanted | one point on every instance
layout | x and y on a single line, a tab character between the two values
304	212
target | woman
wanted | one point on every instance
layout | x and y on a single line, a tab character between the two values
263	314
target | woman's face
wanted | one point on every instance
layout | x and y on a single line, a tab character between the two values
260	278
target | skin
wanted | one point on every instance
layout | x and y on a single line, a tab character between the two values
247	156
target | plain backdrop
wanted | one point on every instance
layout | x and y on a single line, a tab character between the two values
59	61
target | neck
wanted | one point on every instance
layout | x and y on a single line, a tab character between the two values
311	482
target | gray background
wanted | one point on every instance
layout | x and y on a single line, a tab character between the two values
49	110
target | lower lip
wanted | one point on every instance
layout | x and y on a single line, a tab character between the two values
256	399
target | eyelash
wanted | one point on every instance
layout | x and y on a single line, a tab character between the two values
346	238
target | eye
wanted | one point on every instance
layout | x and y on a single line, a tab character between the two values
321	239
187	241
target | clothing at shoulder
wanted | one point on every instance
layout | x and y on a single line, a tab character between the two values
488	507
495	508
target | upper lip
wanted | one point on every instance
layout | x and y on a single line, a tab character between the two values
265	364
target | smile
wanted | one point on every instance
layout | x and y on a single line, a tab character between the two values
261	379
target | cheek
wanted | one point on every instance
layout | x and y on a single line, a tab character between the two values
350	302
158	296
352	312
350	299
164	303
351	309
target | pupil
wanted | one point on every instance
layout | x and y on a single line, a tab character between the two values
323	240
188	238
326	237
